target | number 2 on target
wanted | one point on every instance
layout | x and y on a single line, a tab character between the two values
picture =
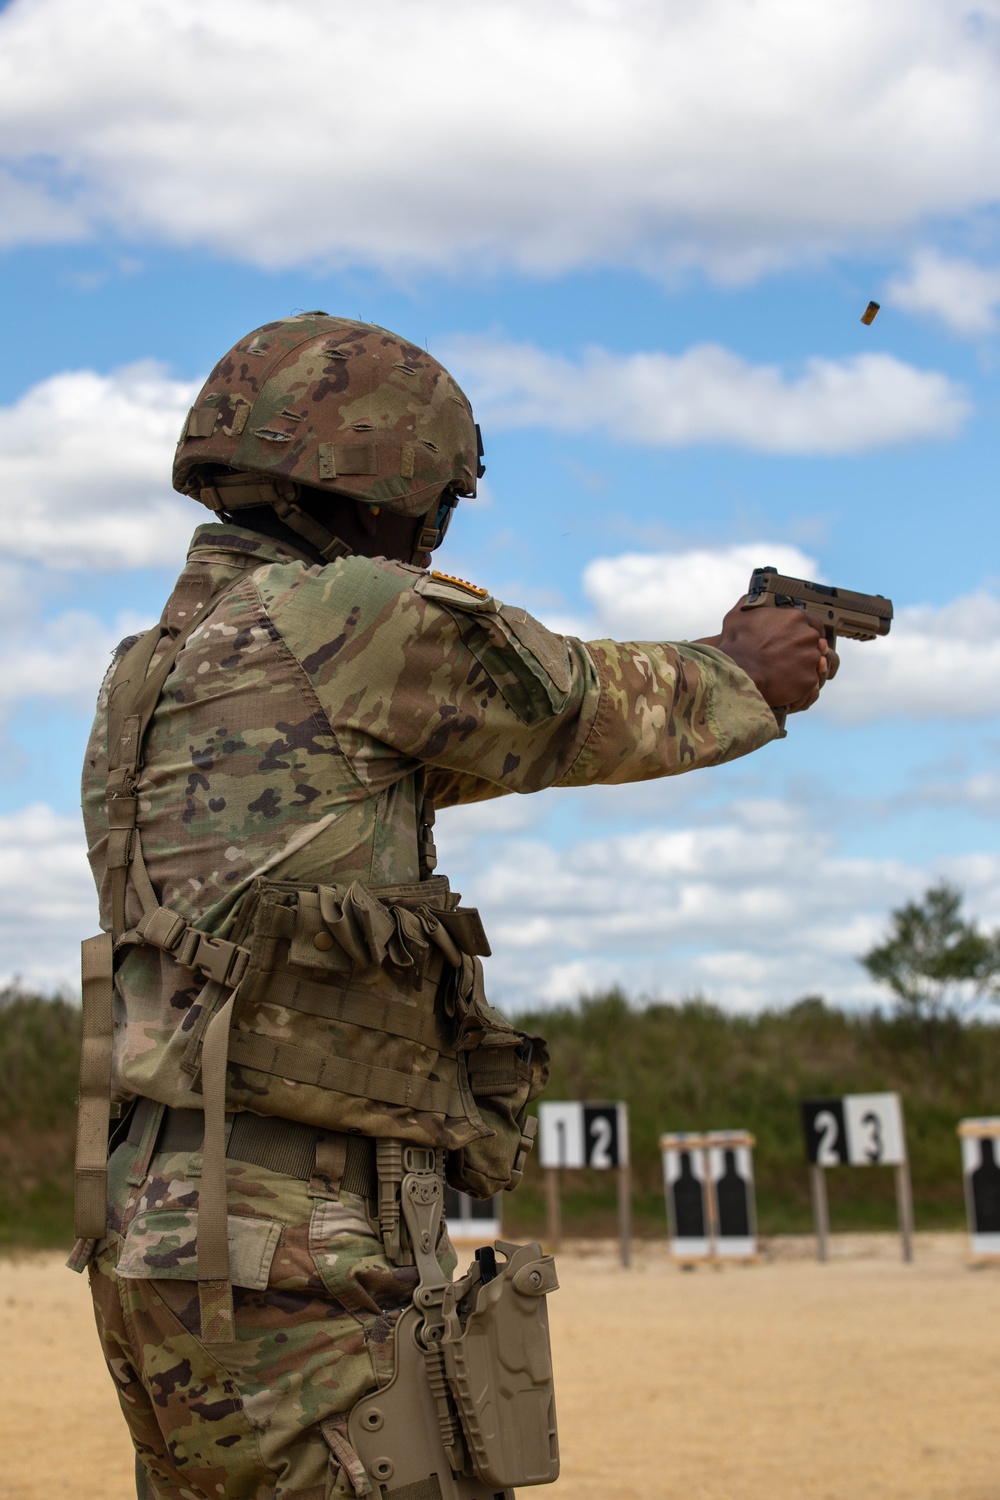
827	1129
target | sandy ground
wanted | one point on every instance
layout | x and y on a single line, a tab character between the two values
860	1380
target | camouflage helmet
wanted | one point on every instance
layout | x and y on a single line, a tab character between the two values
335	405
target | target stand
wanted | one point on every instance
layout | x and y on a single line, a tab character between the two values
572	1134
711	1204
858	1130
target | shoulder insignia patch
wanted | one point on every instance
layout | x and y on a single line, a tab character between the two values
457	593
462	583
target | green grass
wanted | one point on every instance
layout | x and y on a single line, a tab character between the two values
680	1067
694	1067
39	1063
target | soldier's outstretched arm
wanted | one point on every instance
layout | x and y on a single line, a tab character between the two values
492	702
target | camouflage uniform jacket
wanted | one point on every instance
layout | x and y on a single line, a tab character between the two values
301	715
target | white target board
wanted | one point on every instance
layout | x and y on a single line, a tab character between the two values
858	1130
576	1134
981	1173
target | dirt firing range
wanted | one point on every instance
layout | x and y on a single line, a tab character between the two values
862	1379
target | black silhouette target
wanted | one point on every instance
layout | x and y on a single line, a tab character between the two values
688	1195
733	1198
985	1184
981	1169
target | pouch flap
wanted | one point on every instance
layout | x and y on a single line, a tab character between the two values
465	927
313	945
162	1245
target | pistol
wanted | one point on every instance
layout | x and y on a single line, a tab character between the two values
859	617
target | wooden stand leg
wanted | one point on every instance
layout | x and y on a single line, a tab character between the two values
821	1212
904	1204
625	1213
552	1205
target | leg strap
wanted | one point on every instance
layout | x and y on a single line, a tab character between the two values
97	975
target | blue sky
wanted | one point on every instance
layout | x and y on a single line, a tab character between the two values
642	235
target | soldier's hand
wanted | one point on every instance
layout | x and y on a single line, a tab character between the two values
782	652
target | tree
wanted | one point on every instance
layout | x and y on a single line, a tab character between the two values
937	964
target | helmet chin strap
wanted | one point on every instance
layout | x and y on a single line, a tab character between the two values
235	492
435	524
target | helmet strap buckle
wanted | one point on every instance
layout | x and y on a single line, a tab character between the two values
427	540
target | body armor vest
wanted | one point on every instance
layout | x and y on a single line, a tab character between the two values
349	1008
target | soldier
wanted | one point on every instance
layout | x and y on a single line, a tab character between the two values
285	1008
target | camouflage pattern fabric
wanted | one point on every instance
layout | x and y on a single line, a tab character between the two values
316	1306
290	733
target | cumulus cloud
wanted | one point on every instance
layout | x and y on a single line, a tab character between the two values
85	469
709	395
47	898
959	292
755	908
650	596
49	657
581	132
937	663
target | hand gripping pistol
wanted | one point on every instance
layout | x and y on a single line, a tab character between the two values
859	617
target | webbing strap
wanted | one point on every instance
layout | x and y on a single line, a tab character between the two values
135	692
97	976
393	1017
215	1292
305	1065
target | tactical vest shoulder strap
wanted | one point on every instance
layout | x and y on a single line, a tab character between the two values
133	694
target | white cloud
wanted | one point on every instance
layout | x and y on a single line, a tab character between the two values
580	132
936	663
709	395
755	907
47	898
53	658
962	294
650	596
85	470
61	660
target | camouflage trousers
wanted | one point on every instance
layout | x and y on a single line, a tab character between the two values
316	1305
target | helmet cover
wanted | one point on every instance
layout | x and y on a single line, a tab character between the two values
337	405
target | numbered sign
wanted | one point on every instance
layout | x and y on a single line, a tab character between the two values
583	1135
472	1219
730	1175
573	1134
859	1130
708	1182
981	1172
